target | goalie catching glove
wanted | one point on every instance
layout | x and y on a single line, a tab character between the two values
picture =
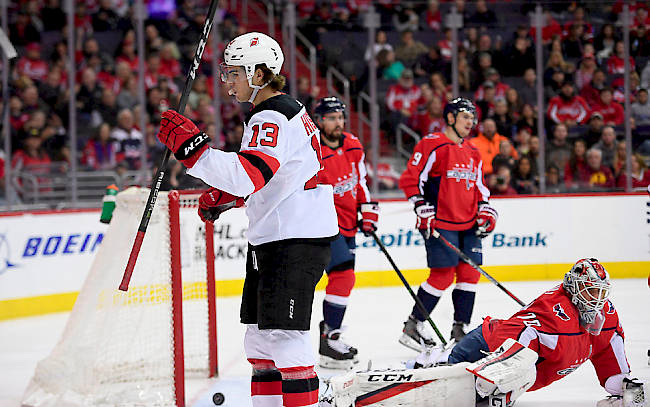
486	219
182	137
214	202
369	217
426	215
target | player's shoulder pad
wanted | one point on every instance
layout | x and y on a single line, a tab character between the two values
351	141
470	144
283	104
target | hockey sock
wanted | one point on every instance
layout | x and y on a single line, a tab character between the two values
463	305
429	301
299	386
333	314
266	384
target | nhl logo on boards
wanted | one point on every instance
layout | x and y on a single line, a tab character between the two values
255	41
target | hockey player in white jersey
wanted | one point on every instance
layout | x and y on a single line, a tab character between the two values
292	219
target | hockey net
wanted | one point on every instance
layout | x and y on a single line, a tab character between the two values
136	348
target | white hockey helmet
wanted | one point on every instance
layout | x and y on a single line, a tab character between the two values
588	285
251	49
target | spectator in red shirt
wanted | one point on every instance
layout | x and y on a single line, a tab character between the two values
613	113
641	19
169	65
430	120
596	175
591	91
99	152
432	16
32	158
567	107
500	88
403	99
576	164
17	116
550	28
640	174
579	19
127	54
32	65
616	63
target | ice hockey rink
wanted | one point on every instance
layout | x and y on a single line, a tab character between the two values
374	320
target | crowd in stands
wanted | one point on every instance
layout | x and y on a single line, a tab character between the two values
108	112
583	84
583	88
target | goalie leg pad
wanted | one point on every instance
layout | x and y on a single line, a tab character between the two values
442	386
511	368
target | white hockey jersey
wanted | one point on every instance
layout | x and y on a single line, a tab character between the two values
277	166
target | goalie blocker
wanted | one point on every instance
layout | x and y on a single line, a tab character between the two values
501	377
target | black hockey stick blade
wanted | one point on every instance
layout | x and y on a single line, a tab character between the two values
469	261
418	302
155	188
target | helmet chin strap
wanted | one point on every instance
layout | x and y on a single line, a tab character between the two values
256	89
453	127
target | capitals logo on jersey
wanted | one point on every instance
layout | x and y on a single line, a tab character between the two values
559	312
468	173
348	183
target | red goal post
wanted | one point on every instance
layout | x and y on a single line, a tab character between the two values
138	347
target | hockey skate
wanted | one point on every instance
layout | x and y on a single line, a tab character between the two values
415	334
334	353
458	331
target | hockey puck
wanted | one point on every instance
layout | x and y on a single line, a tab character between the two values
218	399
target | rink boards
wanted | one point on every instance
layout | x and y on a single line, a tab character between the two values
45	257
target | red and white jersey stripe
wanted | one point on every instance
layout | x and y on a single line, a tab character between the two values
277	166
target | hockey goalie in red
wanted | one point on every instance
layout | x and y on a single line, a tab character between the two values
570	324
344	168
292	218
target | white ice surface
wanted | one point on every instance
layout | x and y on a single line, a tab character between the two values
374	319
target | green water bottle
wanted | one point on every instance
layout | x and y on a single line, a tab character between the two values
108	203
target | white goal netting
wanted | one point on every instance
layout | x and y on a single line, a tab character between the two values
117	348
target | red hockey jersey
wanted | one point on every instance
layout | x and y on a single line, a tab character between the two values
612	113
448	175
344	168
549	325
560	110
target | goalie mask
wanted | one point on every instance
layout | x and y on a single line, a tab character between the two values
248	51
588	285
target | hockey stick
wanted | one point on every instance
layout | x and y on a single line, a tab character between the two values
155	188
10	52
418	302
469	261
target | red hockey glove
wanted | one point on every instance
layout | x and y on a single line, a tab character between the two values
182	136
369	217
426	215
214	202
486	220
